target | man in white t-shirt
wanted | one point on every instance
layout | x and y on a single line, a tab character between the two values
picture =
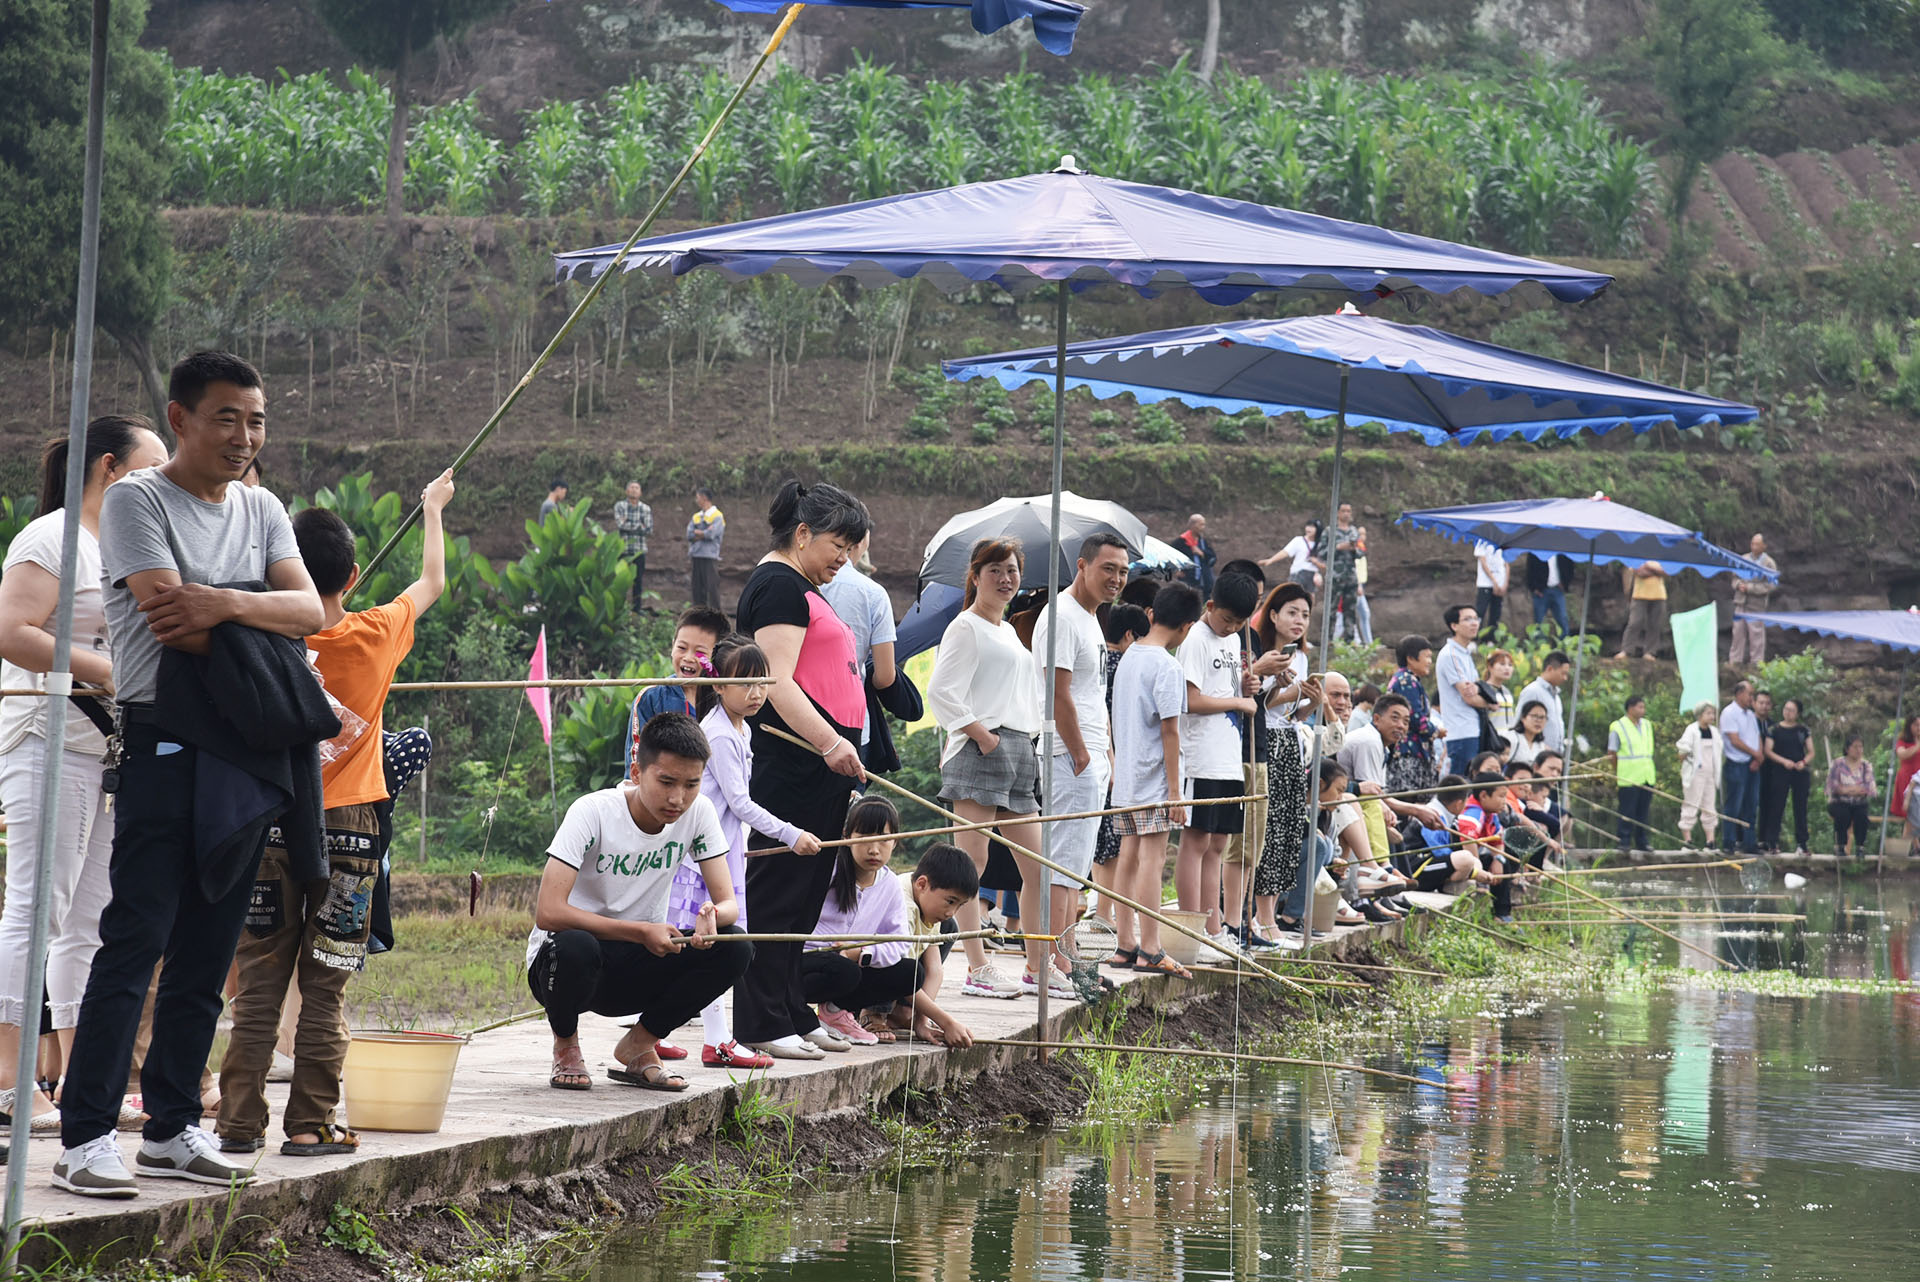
1459	682
600	941
1490	575
1083	741
1217	695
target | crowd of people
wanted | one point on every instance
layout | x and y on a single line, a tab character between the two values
252	778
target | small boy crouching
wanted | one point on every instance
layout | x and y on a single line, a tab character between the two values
600	941
943	880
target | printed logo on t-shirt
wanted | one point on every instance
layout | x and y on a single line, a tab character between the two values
637	863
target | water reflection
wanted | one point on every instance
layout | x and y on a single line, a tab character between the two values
1688	1134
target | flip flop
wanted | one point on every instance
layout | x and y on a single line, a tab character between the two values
649	1077
333	1140
570	1077
880	1028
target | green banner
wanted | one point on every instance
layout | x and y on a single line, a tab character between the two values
1696	641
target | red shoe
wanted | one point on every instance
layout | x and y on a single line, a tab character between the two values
667	1050
733	1055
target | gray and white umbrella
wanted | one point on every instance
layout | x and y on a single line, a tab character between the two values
1026	519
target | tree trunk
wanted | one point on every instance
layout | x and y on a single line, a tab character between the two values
397	145
137	346
1210	47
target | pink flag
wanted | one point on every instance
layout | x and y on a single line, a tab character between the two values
540	697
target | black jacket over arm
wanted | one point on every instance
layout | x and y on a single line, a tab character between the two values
255	712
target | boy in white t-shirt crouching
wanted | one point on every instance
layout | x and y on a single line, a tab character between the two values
600	941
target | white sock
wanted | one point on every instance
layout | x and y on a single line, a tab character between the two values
792	1041
713	1024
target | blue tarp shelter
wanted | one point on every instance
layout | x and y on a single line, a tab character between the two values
1895	629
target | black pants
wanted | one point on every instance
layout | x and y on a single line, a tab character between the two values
576	972
1487	606
826	976
704	574
1780	785
1635	805
1502	887
787	893
156	910
1845	815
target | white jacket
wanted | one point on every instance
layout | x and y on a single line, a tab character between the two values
1696	752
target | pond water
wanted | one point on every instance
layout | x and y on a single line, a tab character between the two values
1648	1131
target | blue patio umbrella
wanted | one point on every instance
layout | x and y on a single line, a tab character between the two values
1054	21
1896	629
1408	378
1078	229
1594	531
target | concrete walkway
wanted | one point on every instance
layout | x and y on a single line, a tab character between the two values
505	1125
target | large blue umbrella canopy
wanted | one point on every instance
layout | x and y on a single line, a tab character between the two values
1597	531
1054	21
1066	225
1408	378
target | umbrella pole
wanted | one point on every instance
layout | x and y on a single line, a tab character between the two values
592	295
1579	659
1047	740
1893	762
60	678
1326	655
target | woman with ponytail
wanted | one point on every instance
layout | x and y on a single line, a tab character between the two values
816	694
117	444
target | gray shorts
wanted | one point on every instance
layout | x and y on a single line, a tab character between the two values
1008	780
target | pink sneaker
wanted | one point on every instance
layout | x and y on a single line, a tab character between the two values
843	1023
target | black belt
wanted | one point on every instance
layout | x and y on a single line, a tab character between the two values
138	714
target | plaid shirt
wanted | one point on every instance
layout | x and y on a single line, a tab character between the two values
634	520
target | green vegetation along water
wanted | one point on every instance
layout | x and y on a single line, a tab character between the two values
1654	1125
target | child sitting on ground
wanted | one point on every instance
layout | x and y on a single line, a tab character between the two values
317	933
601	941
695	635
840	979
723	719
1433	856
944	879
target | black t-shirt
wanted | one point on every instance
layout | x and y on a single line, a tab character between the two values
1791	743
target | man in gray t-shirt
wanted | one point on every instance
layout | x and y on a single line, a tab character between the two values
1458	680
149	523
169	536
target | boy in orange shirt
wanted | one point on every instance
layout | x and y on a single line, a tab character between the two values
316	932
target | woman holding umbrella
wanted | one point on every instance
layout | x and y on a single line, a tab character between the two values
985	693
817	695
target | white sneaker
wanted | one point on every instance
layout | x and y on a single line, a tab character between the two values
1058	985
826	1039
988	982
191	1155
94	1170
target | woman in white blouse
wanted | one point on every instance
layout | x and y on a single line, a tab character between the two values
985	694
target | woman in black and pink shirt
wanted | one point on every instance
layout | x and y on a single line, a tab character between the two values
818	695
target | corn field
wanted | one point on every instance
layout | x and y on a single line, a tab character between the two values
1530	166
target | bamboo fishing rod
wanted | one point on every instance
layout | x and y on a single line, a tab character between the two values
1298	979
1050	865
799	937
1650	829
1679	918
1615	870
1615	908
1196	1053
592	295
1722	815
573	683
1505	938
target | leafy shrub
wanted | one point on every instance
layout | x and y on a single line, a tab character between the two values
14	515
927	425
1156	425
1104	419
1228	430
1106	440
985	433
1804	676
574	579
